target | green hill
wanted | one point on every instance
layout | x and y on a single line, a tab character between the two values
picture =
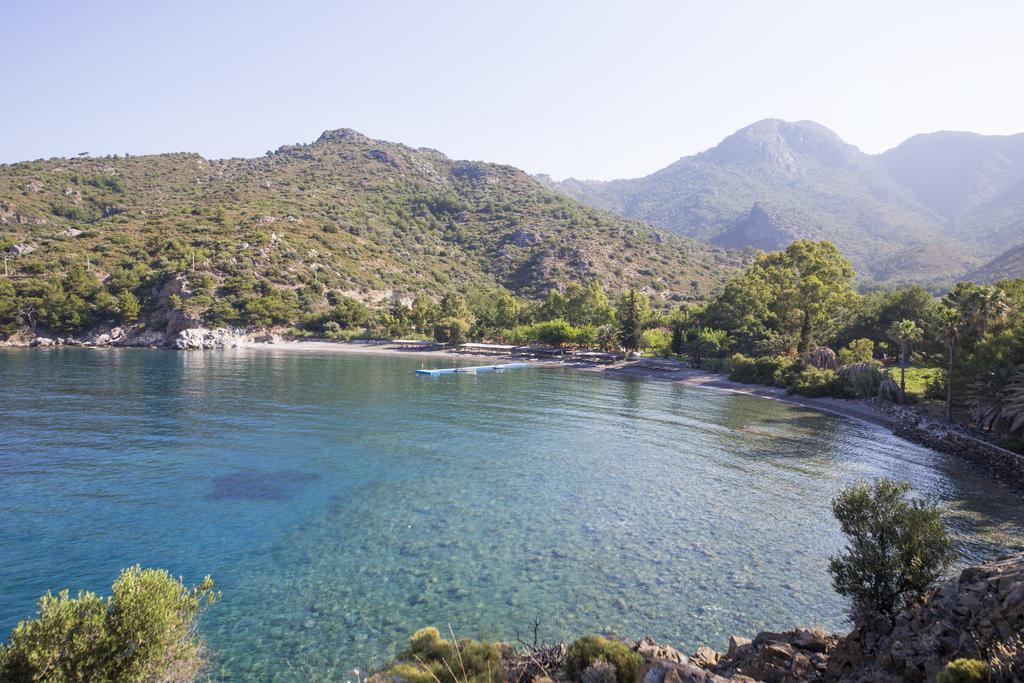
371	220
1007	266
930	209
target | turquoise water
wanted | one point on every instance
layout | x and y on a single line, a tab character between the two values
341	502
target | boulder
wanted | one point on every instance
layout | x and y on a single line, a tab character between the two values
662	653
203	338
42	341
789	657
267	338
674	672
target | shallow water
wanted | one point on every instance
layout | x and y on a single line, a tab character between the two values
341	502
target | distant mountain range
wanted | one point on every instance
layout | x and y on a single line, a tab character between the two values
936	207
371	219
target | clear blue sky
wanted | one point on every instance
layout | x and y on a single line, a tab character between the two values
589	89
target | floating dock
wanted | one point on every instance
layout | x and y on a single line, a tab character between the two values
473	369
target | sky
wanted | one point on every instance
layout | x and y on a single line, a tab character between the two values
585	89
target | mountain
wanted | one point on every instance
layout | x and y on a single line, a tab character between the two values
954	173
932	208
1008	265
975	182
369	219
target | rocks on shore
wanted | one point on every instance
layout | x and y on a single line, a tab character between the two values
139	336
204	338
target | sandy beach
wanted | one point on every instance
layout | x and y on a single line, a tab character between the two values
849	408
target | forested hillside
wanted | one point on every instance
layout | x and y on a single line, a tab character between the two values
277	238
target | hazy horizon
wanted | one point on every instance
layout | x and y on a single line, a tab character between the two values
593	90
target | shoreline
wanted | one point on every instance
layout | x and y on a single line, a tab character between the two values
906	424
848	408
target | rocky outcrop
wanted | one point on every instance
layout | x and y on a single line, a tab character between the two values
971	616
204	338
664	664
964	617
789	657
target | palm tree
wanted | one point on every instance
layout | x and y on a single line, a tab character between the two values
988	396
990	305
905	333
950	321
1013	404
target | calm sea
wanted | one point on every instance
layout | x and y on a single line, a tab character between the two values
341	502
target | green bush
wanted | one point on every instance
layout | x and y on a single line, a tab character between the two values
432	659
965	671
145	631
857	351
770	370
861	380
589	649
719	365
896	548
816	383
451	330
656	342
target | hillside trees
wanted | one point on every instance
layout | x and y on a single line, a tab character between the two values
631	314
787	300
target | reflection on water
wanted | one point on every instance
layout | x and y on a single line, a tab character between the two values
341	502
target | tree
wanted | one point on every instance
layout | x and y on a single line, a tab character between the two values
949	323
631	314
707	343
422	314
507	311
905	333
451	330
145	631
979	305
606	338
857	351
348	313
128	304
678	344
586	305
896	548
8	306
793	297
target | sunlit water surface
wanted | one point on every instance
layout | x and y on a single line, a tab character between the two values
341	502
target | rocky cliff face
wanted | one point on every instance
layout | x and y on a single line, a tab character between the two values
966	617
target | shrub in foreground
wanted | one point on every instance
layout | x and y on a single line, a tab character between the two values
590	649
432	659
145	631
897	548
965	671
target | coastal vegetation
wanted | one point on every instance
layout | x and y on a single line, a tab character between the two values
897	548
146	630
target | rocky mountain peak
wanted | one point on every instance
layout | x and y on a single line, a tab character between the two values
784	144
342	135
